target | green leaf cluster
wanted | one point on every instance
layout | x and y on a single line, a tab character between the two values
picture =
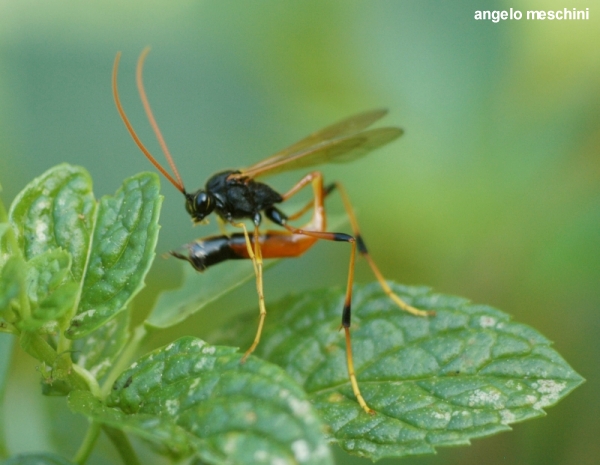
70	266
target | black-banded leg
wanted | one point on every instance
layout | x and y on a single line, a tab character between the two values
320	192
347	310
255	254
362	248
316	179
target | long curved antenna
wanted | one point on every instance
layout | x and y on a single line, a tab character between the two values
178	184
150	115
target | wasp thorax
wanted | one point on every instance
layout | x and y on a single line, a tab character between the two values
199	205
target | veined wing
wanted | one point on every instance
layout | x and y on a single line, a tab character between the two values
348	126
340	150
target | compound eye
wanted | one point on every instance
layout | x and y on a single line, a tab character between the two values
203	203
199	205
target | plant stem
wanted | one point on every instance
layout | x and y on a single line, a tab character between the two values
122	444
36	346
139	334
88	443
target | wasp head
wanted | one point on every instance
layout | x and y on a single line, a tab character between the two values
199	205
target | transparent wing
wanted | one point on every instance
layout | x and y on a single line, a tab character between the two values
339	143
340	150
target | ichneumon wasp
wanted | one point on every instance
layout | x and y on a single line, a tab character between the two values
236	195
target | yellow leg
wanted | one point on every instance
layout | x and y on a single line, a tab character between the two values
391	294
256	257
346	326
352	374
357	243
363	251
248	244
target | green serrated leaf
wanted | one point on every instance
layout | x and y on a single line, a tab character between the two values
466	373
37	459
150	427
50	290
249	413
122	251
56	210
200	289
97	351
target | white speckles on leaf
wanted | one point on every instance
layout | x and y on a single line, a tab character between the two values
507	417
480	398
299	407
204	363
550	391
530	399
209	350
41	231
172	405
198	343
301	450
487	321
441	415
83	315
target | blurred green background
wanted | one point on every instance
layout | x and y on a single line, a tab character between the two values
492	194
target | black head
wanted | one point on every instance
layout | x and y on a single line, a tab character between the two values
199	205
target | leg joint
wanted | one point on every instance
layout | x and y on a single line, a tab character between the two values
342	237
346	316
276	216
360	243
330	188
